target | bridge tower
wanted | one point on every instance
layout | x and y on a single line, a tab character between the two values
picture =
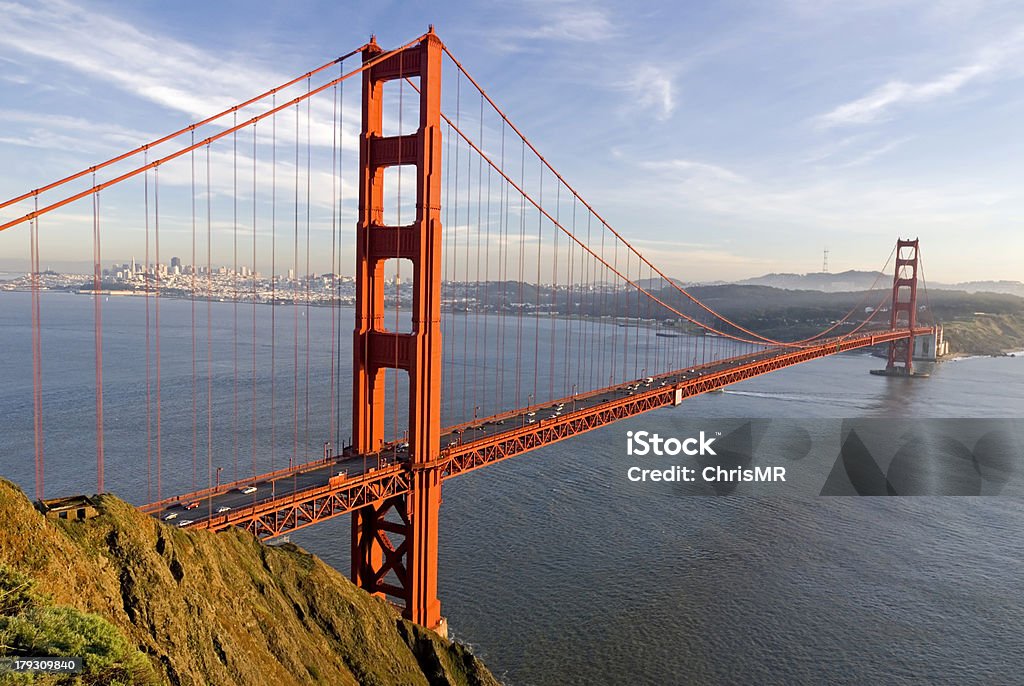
406	570
904	308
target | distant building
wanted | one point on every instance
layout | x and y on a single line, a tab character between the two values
176	264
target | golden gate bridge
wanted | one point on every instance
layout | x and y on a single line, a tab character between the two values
553	324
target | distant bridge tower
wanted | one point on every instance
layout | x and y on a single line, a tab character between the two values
904	308
404	569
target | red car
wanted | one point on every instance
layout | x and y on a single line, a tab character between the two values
192	505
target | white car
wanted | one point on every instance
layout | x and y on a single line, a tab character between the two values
169	516
183	523
222	509
248	489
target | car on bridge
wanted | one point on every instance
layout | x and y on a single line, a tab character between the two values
247	489
222	509
169	516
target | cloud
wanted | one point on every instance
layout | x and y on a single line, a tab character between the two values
693	171
54	131
874	106
572	21
709	193
152	66
555	21
651	88
874	153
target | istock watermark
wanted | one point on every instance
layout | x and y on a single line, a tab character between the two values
645	443
869	456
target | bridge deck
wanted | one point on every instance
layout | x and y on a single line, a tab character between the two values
293	498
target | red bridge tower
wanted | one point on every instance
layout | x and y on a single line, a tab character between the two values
904	308
406	570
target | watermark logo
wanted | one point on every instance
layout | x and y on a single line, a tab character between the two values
643	443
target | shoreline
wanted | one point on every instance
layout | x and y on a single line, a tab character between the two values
1016	349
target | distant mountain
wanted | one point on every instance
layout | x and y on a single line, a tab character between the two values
1006	287
658	282
852	280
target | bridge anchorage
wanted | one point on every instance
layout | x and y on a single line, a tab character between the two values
638	340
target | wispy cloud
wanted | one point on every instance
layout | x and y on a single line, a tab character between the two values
147	64
152	66
652	89
874	153
570	20
554	21
877	104
690	170
707	192
67	134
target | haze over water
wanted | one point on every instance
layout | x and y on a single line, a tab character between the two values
558	570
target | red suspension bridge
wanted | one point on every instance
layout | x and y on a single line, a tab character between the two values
553	323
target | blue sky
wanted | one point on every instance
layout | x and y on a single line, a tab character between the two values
732	138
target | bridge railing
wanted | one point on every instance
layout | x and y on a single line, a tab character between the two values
220	489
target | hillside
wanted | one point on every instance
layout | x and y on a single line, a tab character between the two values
974	323
985	334
854	280
851	280
153	604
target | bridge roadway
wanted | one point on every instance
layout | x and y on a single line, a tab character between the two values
299	496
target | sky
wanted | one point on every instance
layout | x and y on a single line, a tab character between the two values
728	139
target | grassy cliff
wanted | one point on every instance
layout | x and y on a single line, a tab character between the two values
985	334
147	603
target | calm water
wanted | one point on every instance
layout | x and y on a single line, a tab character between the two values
558	570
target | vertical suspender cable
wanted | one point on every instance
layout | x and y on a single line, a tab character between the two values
334	257
553	298
252	274
192	298
479	232
37	354
156	323
146	284
234	298
209	325
499	366
98	333
341	195
537	289
522	255
273	286
309	87
295	304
